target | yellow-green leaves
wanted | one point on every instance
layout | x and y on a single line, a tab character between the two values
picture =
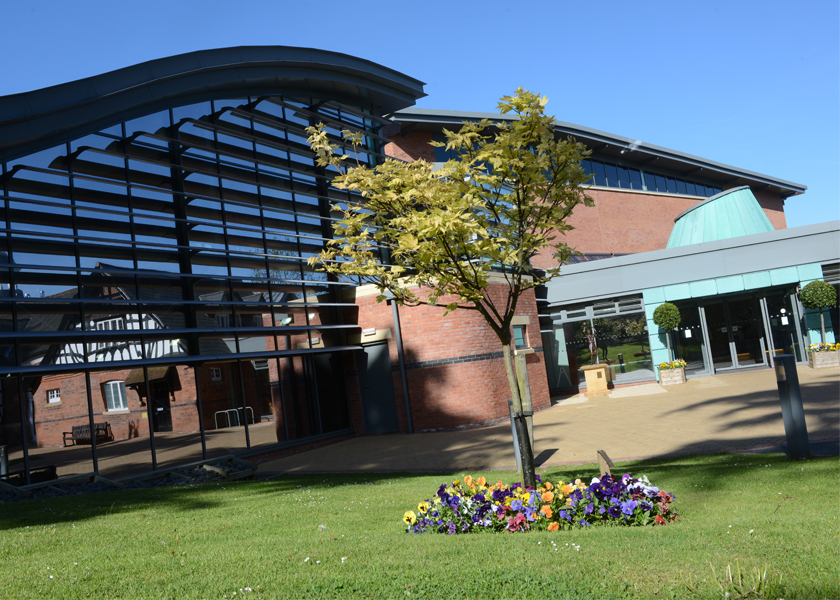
505	199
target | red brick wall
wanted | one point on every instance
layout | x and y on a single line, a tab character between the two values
52	420
411	146
454	394
621	222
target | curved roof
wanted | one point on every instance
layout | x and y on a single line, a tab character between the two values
730	214
39	118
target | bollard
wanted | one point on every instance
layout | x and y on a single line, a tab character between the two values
793	415
621	361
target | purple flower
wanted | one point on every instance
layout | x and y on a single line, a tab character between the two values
628	507
565	515
452	528
615	512
602	510
583	523
589	508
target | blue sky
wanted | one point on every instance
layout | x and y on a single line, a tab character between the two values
752	84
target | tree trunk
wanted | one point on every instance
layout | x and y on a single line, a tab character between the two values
526	456
668	341
822	325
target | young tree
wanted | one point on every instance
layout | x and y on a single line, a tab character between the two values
667	317
819	295
504	199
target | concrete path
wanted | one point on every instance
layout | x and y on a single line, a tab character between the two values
732	412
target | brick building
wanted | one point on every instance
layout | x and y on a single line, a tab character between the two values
153	273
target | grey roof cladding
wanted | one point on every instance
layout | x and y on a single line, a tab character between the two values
590	136
634	273
33	120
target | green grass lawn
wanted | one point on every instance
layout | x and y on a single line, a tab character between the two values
738	512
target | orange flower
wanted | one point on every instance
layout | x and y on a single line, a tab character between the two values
548	485
499	485
568	501
481	481
554	526
548	496
546	511
567	489
468	480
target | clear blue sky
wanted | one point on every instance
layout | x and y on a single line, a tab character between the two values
752	84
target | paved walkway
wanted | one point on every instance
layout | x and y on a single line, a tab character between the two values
732	412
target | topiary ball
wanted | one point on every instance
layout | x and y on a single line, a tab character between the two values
818	295
666	316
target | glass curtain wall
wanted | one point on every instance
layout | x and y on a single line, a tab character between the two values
612	332
154	284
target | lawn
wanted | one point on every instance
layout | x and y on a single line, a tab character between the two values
341	536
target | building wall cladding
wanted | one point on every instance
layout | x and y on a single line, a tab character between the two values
621	222
454	366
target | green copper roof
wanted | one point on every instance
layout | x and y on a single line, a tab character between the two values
730	214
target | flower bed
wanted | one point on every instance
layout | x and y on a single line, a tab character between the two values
667	366
474	505
823	347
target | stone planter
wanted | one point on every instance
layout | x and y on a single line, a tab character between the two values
671	376
821	360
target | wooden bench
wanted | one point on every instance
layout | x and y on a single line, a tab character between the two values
82	433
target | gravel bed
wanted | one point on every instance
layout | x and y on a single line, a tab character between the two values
177	477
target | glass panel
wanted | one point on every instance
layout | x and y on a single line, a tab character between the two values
680	186
718	329
175	415
51	453
612	175
650	182
624	178
690	189
661	186
600	174
222	408
688	339
671	184
747	330
636	179
580	349
622	343
557	358
782	325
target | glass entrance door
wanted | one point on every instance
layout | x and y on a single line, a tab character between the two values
718	328
746	331
736	333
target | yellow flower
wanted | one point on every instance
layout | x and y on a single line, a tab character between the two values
578	482
456	482
423	507
409	518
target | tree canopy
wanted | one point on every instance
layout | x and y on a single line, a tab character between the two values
446	231
504	199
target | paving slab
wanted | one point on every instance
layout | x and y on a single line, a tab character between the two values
735	412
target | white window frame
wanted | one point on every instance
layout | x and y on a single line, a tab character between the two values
215	374
54	396
121	402
114	324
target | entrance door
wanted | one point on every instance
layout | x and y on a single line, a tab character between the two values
736	333
379	405
161	408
